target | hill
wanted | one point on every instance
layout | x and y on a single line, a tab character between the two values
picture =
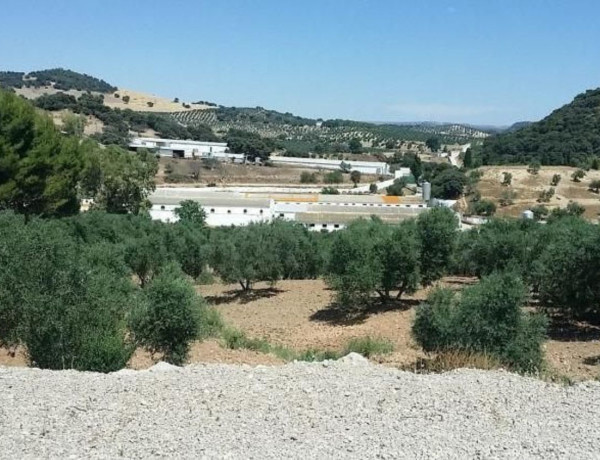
120	113
568	136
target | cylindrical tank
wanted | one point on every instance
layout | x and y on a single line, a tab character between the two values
426	186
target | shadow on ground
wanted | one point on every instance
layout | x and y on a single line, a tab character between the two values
336	314
565	330
243	297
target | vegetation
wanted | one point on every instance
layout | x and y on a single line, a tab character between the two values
484	208
555	180
568	136
485	318
39	167
397	188
369	346
506	178
330	191
60	79
333	177
578	175
308	178
170	318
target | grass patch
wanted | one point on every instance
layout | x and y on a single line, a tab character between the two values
211	323
317	355
369	346
451	360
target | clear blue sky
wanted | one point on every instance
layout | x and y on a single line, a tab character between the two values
478	61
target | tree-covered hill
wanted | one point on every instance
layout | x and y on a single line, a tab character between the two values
568	136
60	79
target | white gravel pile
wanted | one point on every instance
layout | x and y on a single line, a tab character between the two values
343	409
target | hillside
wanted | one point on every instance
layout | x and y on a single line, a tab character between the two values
568	136
117	113
304	134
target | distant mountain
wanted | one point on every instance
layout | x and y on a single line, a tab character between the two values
568	136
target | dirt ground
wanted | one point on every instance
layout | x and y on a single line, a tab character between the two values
528	187
296	314
234	174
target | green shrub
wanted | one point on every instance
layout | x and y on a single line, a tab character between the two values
170	319
369	346
317	355
308	178
486	318
67	311
334	177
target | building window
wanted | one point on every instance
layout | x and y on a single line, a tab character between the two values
281	215
261	211
229	211
324	225
336	225
212	210
312	225
245	211
162	207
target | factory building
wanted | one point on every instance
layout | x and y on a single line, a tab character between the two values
316	212
186	149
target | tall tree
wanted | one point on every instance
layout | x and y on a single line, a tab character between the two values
39	168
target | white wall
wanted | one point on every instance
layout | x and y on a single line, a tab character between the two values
366	167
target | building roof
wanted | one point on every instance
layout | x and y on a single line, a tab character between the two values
136	140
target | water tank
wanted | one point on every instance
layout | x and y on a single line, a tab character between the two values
426	186
527	214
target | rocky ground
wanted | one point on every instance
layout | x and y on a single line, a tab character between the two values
344	409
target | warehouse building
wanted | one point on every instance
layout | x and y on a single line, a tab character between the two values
186	149
316	212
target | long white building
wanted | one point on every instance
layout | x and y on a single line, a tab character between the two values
186	149
316	212
365	167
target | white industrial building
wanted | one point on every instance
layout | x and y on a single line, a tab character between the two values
365	167
316	212
186	149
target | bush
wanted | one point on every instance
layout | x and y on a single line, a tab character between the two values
485	318
334	177
397	188
568	269
373	188
507	178
507	197
555	180
483	208
67	311
330	191
170	318
370	257
546	195
534	167
369	346
308	178
578	175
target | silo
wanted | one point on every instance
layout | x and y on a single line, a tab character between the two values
426	187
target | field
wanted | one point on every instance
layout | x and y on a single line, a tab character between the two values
528	188
234	174
297	315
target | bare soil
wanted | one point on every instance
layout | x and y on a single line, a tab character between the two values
235	174
298	315
528	187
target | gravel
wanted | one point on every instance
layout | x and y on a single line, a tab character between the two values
335	409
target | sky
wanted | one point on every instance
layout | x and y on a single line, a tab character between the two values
472	61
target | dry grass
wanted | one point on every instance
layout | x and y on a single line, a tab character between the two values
528	187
